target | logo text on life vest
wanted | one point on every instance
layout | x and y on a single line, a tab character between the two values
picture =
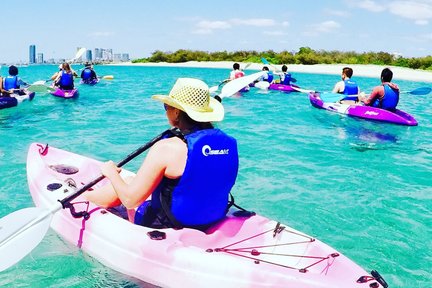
207	151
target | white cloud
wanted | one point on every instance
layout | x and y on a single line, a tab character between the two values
337	13
370	5
207	27
285	24
257	22
419	11
327	26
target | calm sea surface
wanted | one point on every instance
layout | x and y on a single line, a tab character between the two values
362	187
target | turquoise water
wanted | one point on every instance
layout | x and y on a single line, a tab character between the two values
362	187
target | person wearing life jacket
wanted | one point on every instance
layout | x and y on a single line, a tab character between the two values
12	83
88	75
64	79
347	86
285	77
188	174
384	96
236	72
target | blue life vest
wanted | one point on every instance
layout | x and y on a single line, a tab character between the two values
86	74
351	87
390	99
10	82
201	196
286	79
66	80
269	77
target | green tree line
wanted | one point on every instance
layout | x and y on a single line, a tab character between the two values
305	55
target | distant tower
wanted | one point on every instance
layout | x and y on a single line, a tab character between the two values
89	56
97	54
40	59
32	54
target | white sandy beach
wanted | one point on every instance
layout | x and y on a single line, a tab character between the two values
374	71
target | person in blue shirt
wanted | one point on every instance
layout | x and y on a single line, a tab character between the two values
188	174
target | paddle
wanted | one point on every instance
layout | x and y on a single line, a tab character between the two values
236	85
40	87
78	54
22	230
107	77
419	91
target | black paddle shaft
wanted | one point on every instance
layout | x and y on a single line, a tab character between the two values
66	201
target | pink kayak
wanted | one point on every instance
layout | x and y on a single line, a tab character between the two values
237	252
64	93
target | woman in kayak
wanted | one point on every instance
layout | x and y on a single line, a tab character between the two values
386	95
188	175
64	79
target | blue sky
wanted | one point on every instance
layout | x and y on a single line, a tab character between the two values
141	27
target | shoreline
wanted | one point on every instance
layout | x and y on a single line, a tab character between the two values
373	71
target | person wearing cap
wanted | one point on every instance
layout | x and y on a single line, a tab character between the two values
189	176
88	75
64	79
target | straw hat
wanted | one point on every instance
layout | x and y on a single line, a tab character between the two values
193	97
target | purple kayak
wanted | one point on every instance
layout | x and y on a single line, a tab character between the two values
366	112
284	88
65	93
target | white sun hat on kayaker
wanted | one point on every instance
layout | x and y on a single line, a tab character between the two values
193	97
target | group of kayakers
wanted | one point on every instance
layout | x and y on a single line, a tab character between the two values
64	78
384	96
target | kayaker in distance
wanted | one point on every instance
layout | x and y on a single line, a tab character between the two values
64	79
88	75
347	86
12	83
188	176
268	77
285	77
236	72
386	95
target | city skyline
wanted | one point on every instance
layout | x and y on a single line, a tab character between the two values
100	55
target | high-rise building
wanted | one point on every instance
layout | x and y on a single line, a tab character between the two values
32	54
89	56
40	59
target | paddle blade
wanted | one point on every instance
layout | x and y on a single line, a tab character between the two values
78	54
20	232
213	89
40	88
264	61
108	77
264	85
236	85
331	97
421	91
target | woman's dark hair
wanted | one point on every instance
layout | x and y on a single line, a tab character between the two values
386	75
284	68
236	66
265	68
13	70
201	125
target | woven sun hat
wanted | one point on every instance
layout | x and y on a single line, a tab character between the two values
193	97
